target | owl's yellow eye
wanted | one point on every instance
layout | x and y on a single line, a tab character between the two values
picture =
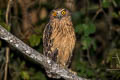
54	14
63	12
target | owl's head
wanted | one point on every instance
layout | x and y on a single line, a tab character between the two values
60	14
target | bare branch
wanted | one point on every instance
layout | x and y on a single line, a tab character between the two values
36	56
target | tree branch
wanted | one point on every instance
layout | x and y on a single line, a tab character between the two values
36	56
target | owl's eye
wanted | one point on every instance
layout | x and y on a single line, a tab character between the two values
63	12
54	14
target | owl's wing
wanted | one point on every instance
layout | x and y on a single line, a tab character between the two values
46	40
48	43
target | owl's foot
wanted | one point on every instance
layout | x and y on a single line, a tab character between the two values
75	73
54	55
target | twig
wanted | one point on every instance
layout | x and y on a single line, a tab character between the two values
108	17
89	59
7	48
6	63
113	69
36	56
8	10
98	11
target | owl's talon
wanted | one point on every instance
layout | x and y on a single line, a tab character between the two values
75	73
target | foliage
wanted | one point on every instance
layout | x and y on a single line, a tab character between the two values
106	3
84	70
34	40
86	29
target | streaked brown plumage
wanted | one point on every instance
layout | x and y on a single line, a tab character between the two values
59	37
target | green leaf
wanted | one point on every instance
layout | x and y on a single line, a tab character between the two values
88	29
94	44
11	55
39	76
90	72
34	40
84	70
79	29
86	42
106	3
115	15
25	75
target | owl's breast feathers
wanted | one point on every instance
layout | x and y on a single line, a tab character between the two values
59	40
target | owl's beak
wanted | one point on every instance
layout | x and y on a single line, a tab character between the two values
59	15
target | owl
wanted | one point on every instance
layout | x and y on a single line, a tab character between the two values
59	37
